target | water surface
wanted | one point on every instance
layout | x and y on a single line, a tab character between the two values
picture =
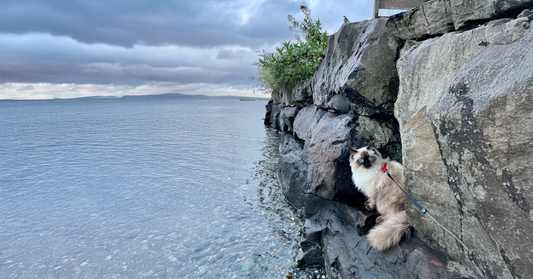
142	187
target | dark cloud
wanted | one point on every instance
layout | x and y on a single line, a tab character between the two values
126	23
132	43
63	60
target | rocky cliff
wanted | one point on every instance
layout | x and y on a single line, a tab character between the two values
446	88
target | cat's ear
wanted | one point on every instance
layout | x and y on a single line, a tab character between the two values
371	146
353	151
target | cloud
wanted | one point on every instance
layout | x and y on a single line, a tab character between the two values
190	23
47	59
126	45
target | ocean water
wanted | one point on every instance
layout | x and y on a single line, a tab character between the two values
142	188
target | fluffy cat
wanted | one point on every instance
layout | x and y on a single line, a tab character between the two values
367	174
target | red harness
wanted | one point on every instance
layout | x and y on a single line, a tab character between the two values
384	168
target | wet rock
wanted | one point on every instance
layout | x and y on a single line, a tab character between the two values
310	254
467	132
358	74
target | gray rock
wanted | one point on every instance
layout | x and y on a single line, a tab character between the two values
275	115
311	249
302	96
383	131
329	171
310	254
438	17
268	108
408	45
306	120
465	13
525	13
339	104
427	20
347	253
467	132
292	171
276	96
358	74
287	116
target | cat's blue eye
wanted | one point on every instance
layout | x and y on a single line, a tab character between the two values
361	160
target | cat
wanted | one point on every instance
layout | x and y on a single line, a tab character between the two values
383	194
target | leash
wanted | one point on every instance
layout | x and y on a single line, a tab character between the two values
420	207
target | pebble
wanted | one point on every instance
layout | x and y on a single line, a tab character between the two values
248	265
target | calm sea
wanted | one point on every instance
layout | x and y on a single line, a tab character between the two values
142	187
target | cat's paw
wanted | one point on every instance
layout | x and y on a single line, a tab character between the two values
370	206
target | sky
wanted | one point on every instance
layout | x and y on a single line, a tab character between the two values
77	48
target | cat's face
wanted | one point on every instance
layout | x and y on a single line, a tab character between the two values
364	157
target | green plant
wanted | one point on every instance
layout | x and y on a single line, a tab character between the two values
294	62
264	79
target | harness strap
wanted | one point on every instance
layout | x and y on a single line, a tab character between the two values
420	207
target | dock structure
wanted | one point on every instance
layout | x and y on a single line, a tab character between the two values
394	5
247	98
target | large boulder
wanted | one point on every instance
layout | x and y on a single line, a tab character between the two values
328	149
437	17
358	74
469	12
465	108
427	20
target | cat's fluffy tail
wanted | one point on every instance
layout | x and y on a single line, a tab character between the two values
389	232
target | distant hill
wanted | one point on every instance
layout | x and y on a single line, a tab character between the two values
164	96
179	95
158	96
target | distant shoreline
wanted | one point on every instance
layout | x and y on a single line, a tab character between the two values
150	96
